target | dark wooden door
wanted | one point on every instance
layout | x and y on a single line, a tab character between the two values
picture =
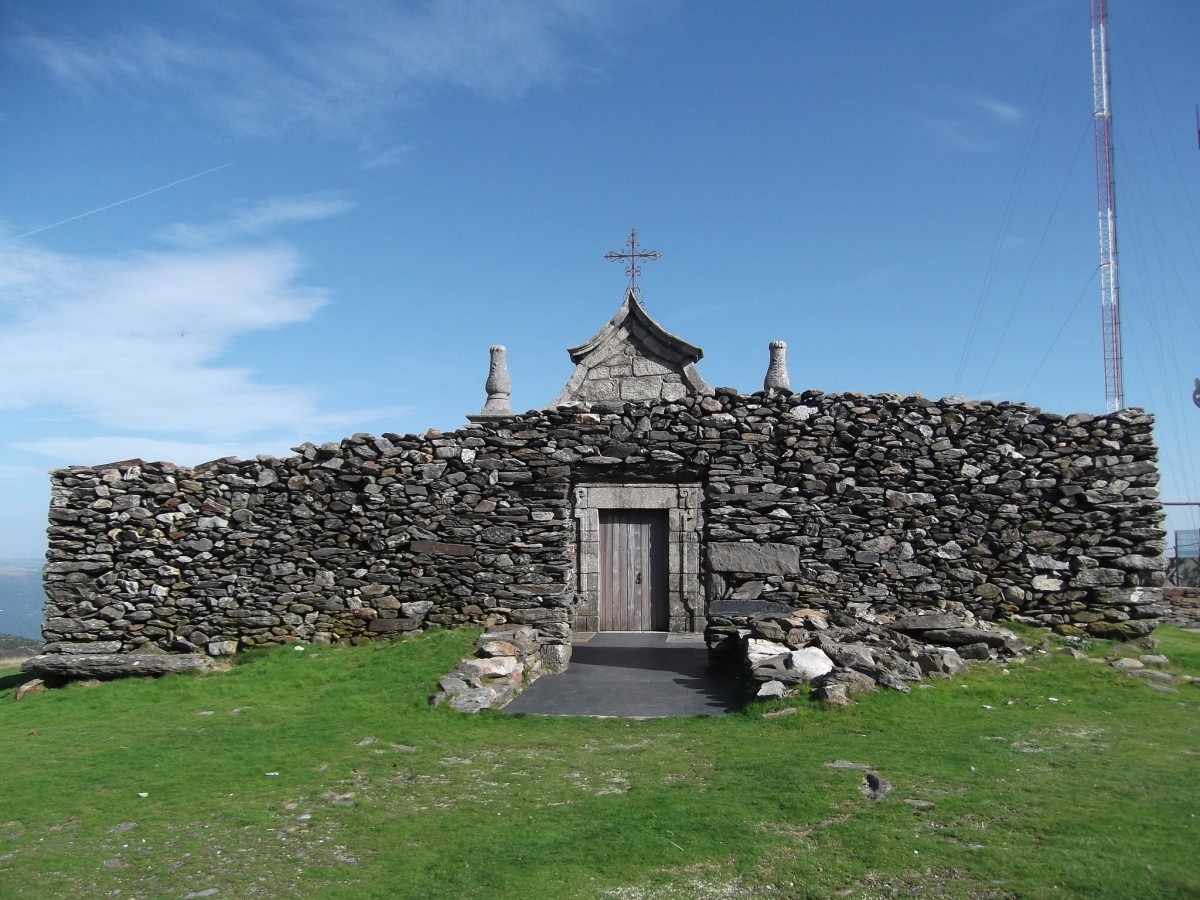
633	570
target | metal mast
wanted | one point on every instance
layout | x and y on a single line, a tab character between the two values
1110	294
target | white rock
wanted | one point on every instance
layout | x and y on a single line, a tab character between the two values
772	690
494	667
759	650
812	661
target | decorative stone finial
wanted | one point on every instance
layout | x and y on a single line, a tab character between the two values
777	373
498	387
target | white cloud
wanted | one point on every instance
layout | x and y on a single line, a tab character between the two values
132	343
110	351
259	218
331	65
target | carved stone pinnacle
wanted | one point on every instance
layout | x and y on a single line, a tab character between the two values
777	373
498	386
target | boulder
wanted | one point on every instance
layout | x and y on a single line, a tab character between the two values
771	690
941	661
114	665
555	658
811	662
473	700
851	682
957	637
493	667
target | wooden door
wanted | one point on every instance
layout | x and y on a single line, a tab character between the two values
633	570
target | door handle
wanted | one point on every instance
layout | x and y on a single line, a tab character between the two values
639	578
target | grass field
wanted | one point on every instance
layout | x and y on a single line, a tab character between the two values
322	772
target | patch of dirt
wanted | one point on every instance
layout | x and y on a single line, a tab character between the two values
1055	740
802	834
699	888
928	882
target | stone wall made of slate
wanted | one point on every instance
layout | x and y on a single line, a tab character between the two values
830	501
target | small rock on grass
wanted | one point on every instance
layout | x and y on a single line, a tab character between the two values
33	686
1164	688
1152	675
835	694
1155	659
788	711
1127	663
771	690
920	804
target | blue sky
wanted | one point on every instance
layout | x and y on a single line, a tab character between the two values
228	228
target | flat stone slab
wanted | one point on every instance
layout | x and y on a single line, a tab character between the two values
760	559
646	674
925	622
113	665
735	609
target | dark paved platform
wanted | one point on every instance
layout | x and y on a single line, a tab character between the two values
635	675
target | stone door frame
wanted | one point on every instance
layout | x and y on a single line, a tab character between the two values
685	600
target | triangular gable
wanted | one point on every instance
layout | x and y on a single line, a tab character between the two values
632	358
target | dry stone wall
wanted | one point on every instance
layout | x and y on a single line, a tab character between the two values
369	536
867	504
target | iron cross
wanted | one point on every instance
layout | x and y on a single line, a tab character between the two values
633	270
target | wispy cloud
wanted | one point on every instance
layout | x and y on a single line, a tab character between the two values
97	450
258	219
998	109
331	65
972	122
132	343
383	157
955	134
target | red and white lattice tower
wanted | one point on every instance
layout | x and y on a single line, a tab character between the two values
1110	293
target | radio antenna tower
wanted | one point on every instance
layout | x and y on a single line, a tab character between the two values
1110	293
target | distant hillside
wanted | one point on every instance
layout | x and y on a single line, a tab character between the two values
21	598
14	645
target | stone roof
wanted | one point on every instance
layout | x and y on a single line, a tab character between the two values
632	358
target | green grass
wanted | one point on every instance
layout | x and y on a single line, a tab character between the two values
1061	778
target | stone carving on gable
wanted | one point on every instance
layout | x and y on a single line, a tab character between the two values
632	358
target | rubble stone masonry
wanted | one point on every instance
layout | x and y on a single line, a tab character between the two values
809	500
